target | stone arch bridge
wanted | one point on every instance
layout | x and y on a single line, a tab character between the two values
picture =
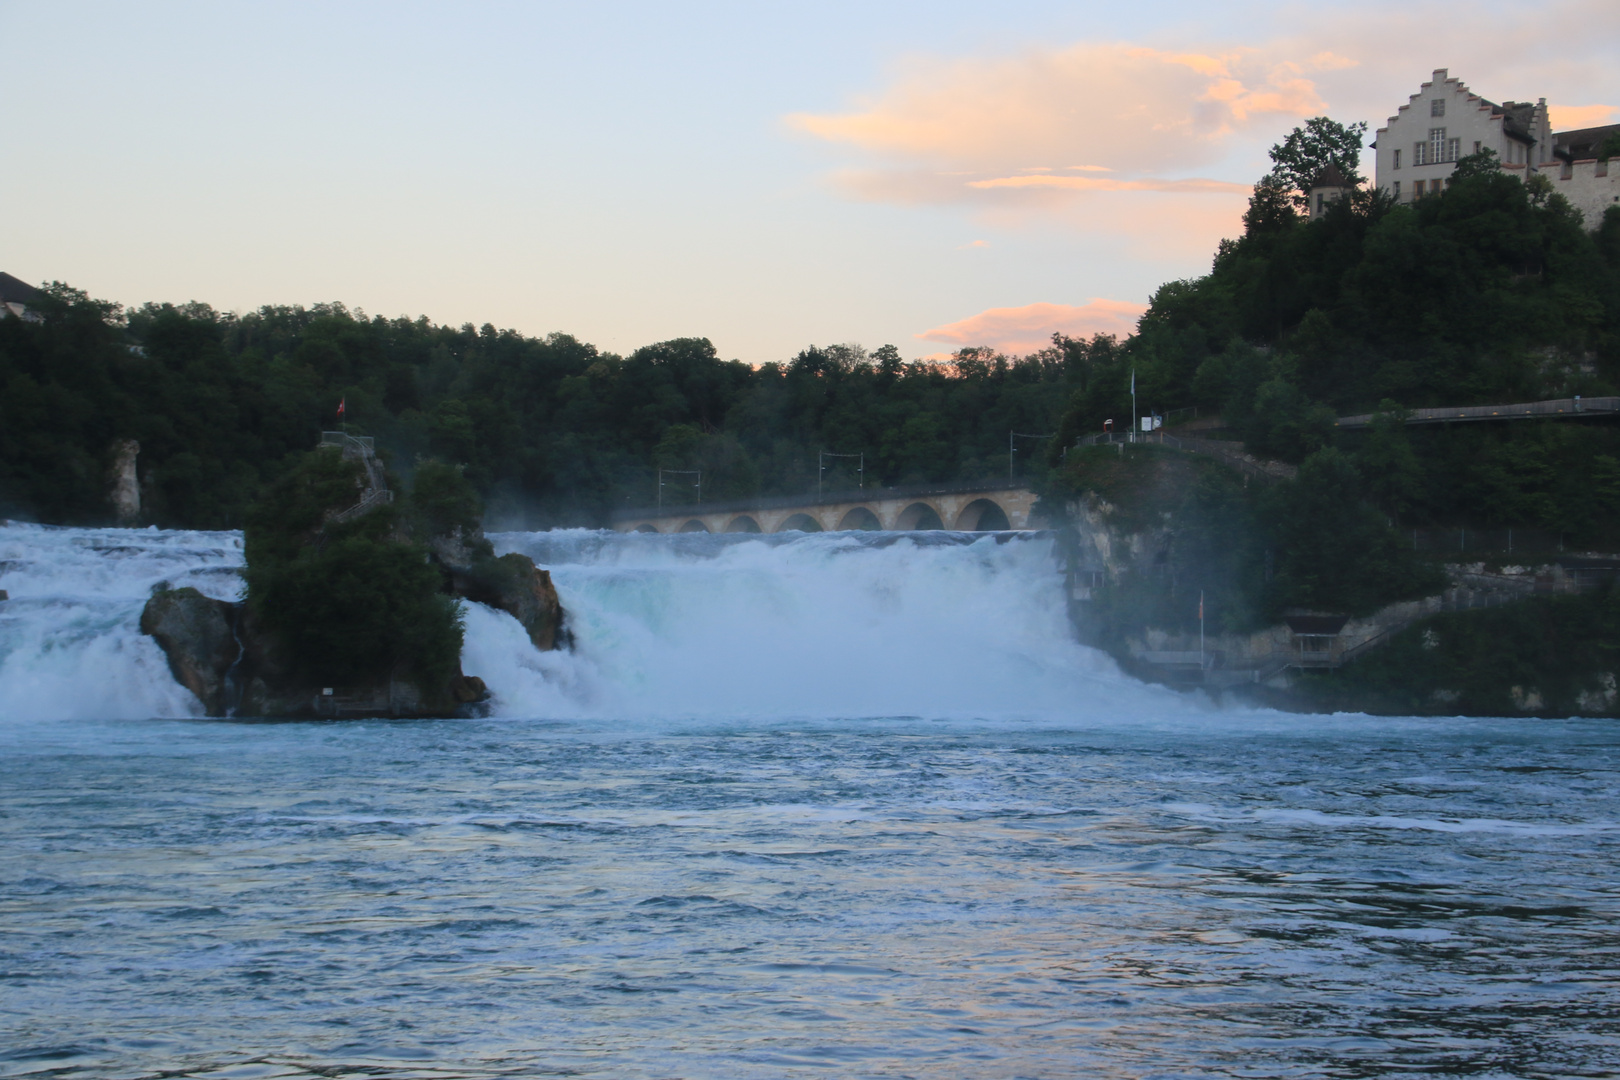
978	507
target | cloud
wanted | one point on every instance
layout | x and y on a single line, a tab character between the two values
1086	183
1022	330
993	134
1572	117
1116	107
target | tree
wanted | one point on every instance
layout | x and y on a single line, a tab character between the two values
348	601
1271	207
1480	163
1300	158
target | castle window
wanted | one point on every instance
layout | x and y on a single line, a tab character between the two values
1476	146
1397	159
1452	147
1397	190
1437	144
1419	155
1437	107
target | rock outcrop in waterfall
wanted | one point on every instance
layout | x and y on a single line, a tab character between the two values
352	598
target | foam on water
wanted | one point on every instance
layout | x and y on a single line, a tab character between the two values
692	627
826	625
70	640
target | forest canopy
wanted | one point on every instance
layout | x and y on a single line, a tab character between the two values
551	431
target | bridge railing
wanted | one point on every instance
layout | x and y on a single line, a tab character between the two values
831	498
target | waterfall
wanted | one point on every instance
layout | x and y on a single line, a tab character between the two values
830	625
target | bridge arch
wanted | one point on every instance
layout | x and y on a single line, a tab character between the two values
918	516
860	518
742	523
982	515
694	526
800	523
645	527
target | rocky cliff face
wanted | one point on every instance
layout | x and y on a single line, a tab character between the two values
198	635
513	584
123	487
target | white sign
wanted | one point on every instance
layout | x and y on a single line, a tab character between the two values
1152	423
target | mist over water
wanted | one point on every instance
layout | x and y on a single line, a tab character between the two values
834	805
813	626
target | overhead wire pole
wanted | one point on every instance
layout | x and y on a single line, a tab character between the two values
821	467
1010	451
679	472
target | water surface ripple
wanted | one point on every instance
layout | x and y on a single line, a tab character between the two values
1235	895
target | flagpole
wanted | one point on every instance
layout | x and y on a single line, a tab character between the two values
1135	422
1200	629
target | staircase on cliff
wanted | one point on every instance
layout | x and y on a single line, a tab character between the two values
360	448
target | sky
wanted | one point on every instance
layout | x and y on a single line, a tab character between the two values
769	176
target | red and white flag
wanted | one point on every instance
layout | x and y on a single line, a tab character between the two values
341	402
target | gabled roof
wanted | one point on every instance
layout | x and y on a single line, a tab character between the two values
1582	142
1518	119
18	292
1330	177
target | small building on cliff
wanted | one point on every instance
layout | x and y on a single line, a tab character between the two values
17	298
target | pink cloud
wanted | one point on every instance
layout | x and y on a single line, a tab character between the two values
1117	107
1027	329
1089	183
1571	117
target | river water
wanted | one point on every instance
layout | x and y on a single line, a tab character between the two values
821	806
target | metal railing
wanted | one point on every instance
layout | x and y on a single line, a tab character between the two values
1566	408
363	449
786	502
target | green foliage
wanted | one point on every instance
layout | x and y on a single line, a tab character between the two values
1334	552
1202	524
548	431
1255	551
1271	208
444	503
348	602
1555	655
1299	159
1483	162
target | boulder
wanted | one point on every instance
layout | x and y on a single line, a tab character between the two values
219	652
197	634
513	584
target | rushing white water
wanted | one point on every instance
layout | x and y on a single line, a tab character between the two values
828	625
70	640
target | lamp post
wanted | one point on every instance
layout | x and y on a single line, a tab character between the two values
679	472
1011	435
821	467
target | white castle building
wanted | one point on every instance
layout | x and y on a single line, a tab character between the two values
1418	148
